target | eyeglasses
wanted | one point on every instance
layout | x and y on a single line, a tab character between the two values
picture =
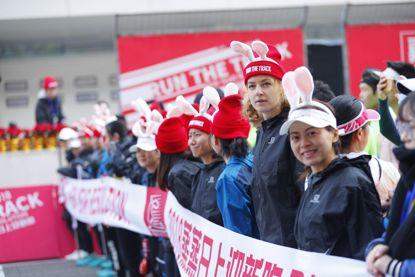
405	127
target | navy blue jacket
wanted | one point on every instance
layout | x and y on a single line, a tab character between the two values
340	211
276	191
180	180
49	111
204	201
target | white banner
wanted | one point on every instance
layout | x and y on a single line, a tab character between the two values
201	247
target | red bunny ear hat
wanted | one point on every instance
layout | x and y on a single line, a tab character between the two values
263	59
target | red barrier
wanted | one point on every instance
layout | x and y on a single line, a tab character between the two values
373	45
31	224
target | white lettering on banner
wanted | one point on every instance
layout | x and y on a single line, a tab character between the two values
14	213
283	49
22	203
155	215
206	249
185	75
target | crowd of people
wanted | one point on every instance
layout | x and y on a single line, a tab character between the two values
281	160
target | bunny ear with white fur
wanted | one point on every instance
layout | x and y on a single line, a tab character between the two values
156	116
243	49
174	111
305	83
142	107
186	107
151	128
137	129
212	96
290	89
203	105
230	89
260	48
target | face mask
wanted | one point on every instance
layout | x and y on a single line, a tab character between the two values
401	97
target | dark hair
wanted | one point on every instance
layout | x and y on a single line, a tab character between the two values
322	91
370	78
346	108
346	141
336	147
409	100
117	126
167	161
200	94
236	146
405	69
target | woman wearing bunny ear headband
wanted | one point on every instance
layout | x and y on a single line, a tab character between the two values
175	172
148	157
229	133
204	201
275	192
338	214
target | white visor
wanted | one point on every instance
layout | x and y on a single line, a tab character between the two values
310	114
406	86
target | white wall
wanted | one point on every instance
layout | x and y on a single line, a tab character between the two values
67	67
15	9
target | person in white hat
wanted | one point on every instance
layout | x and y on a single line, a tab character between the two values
339	212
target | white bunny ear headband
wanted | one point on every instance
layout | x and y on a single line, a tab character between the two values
145	130
259	47
201	120
148	127
103	114
298	87
212	96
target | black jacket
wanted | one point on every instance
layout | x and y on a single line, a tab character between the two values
79	167
275	189
204	192
44	113
340	211
180	180
119	164
401	237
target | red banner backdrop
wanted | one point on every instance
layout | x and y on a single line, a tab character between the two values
373	45
164	66
31	225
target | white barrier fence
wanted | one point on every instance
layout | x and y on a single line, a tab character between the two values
201	247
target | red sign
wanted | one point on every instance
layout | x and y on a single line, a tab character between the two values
31	227
164	66
154	211
374	45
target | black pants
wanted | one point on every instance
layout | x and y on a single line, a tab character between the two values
130	250
170	269
84	237
114	250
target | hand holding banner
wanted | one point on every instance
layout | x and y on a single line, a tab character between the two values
201	248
